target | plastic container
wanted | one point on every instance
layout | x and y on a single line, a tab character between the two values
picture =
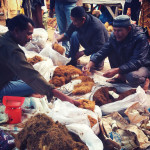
13	108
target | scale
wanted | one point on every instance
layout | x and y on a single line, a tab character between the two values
13	108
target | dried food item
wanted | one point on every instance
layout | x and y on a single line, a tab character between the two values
84	79
52	22
67	72
83	88
87	104
41	132
58	48
126	93
92	120
34	60
103	95
58	81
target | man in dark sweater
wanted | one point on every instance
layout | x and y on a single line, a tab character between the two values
18	77
86	30
128	52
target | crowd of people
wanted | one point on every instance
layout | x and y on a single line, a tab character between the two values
127	48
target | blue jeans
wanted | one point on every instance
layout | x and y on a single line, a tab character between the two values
63	13
16	88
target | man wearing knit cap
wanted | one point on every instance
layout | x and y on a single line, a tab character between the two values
86	30
128	52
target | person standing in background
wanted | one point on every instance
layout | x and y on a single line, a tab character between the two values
33	10
132	9
63	13
144	20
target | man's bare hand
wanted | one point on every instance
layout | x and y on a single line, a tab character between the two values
110	73
79	54
88	67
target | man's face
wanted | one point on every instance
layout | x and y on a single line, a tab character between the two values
121	33
78	22
23	37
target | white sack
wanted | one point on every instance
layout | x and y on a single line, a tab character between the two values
86	135
66	113
39	39
58	59
45	68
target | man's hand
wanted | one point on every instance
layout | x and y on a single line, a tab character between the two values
54	41
129	12
79	54
110	73
88	67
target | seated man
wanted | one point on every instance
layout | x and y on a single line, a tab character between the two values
13	63
86	30
128	53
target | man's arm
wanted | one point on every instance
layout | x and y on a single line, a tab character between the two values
139	57
99	38
98	57
29	75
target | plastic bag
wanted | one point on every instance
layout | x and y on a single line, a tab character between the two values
66	113
39	39
45	68
3	29
58	59
86	135
7	141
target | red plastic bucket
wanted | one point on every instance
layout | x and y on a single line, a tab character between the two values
13	108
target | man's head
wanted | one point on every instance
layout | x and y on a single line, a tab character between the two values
122	27
21	28
78	16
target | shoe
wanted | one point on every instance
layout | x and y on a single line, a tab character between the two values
72	62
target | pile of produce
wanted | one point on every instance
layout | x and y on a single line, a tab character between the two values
106	95
42	133
34	60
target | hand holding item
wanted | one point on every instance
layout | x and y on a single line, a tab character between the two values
53	42
88	67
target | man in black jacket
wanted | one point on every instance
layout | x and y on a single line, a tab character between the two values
86	30
128	53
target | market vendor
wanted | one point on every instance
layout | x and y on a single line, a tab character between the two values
86	30
17	76
128	52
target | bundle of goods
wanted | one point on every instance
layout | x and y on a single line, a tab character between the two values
105	95
87	104
41	132
34	60
115	132
140	116
64	74
124	135
84	87
58	48
108	27
52	22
